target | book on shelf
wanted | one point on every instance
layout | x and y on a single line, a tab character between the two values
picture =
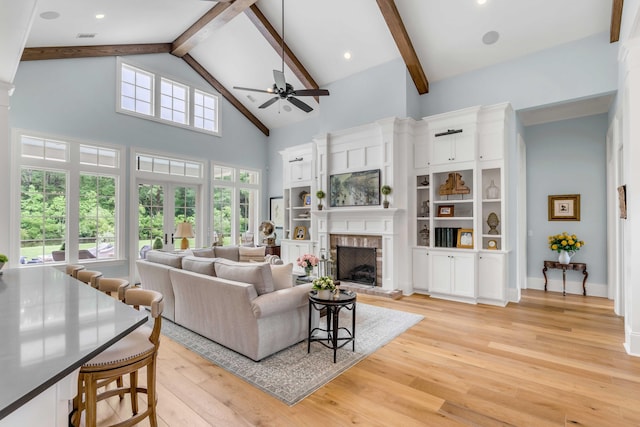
446	237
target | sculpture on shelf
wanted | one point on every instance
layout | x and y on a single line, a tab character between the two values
492	222
424	233
454	185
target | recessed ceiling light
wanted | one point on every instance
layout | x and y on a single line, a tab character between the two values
490	37
286	108
347	55
50	15
481	2
99	15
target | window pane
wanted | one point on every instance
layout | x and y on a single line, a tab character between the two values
160	165
193	169
177	168
143	108
249	177
32	147
222	173
222	211
128	75
145	163
88	155
43	214
108	158
97	212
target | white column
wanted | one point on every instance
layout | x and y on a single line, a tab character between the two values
6	90
631	139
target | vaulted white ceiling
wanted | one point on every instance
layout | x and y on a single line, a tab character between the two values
446	34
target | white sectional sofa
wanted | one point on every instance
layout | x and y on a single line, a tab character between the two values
221	293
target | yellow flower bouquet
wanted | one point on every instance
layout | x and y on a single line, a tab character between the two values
565	242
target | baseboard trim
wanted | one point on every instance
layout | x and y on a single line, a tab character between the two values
573	287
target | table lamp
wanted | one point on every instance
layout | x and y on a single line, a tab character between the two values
184	231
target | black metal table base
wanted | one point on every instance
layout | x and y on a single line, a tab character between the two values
333	340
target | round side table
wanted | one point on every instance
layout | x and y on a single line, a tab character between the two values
344	299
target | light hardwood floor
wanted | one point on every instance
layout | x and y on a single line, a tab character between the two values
547	361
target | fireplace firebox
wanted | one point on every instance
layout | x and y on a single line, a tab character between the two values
356	264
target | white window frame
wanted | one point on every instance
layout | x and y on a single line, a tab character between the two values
73	168
236	187
156	116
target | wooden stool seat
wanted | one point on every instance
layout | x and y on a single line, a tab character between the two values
137	350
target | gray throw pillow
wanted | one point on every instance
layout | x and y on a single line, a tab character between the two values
166	258
257	274
200	265
204	253
228	252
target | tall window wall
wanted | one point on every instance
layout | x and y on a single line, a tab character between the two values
69	200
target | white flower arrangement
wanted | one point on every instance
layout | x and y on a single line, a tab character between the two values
324	283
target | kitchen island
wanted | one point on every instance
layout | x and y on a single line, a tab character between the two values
50	325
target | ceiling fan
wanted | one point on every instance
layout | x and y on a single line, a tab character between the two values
284	90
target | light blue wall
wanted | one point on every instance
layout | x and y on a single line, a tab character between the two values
575	70
568	157
363	98
76	98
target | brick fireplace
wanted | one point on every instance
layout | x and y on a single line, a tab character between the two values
351	263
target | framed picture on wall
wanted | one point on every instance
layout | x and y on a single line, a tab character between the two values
276	211
564	207
355	189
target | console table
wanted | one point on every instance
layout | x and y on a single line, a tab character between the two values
575	266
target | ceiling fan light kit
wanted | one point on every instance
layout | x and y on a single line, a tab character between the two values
284	90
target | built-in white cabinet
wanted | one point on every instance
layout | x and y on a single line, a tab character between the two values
420	271
492	277
453	145
290	250
458	189
299	166
453	273
421	154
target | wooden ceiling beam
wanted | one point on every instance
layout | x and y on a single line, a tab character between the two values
224	92
400	35
215	18
616	20
68	52
273	38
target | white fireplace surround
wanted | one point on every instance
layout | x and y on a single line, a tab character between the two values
366	221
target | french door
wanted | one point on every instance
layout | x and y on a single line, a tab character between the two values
161	207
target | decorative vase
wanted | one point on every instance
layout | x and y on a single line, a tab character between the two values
324	294
493	192
308	270
564	257
319	207
385	204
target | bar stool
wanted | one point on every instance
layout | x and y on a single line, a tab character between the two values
135	351
72	269
110	285
89	277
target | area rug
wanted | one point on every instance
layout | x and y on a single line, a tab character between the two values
291	374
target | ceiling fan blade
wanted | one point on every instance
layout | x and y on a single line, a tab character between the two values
253	90
278	77
269	102
310	92
301	105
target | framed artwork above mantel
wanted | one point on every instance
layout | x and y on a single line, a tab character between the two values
355	189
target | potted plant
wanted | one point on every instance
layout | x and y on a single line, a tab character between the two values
3	259
157	243
320	195
566	245
324	287
385	190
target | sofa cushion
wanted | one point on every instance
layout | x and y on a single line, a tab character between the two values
227	252
197	264
257	274
166	258
247	254
282	276
204	253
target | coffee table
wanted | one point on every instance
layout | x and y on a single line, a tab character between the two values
344	299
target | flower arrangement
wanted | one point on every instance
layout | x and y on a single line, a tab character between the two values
324	283
565	242
307	261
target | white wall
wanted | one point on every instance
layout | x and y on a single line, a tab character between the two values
568	157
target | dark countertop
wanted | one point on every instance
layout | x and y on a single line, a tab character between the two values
50	324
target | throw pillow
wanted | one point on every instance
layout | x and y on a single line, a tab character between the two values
248	254
282	276
166	258
227	252
197	264
273	259
258	274
204	253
